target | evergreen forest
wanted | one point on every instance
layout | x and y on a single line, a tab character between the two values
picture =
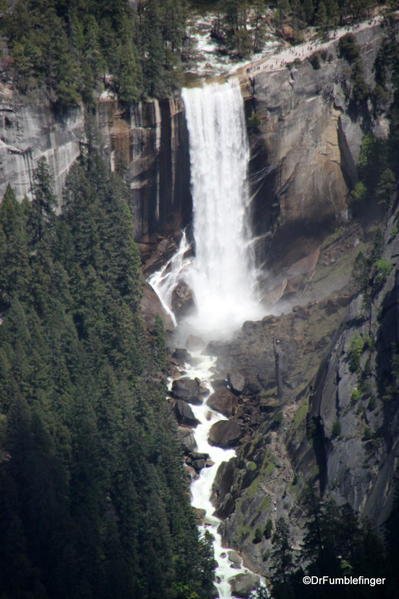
92	503
70	48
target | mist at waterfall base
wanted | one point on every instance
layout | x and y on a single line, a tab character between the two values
220	272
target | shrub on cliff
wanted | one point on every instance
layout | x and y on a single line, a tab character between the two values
348	48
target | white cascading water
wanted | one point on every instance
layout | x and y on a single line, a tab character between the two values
222	273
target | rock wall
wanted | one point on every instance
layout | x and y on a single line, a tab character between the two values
306	133
146	143
31	130
355	401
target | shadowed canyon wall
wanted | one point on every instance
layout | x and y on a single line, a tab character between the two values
147	143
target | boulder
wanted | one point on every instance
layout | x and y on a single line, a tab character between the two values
199	460
182	300
243	584
188	390
187	439
195	343
184	414
190	472
151	307
223	401
199	515
181	355
234	558
225	434
236	382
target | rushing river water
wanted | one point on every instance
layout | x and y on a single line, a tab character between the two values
221	273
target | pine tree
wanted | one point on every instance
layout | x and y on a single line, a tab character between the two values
42	217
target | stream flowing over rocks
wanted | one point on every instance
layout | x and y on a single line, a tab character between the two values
209	295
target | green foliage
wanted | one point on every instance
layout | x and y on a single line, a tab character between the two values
315	61
382	269
268	529
257	536
356	349
386	187
69	47
348	48
93	501
358	194
253	122
281	555
335	544
356	395
336	429
361	90
367	434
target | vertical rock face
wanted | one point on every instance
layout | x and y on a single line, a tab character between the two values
30	131
147	143
306	142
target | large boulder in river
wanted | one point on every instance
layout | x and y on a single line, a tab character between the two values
188	390
151	307
182	300
186	438
223	401
243	584
225	434
184	414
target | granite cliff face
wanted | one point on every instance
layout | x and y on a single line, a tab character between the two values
306	132
147	143
31	130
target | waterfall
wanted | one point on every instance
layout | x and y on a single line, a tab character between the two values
222	275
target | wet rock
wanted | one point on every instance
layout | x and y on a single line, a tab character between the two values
223	480
227	507
225	434
191	473
199	515
182	300
243	584
187	439
188	390
195	343
223	401
234	558
199	460
274	295
236	382
184	414
181	355
151	307
219	384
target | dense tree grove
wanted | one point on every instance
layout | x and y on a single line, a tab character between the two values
92	498
67	46
335	544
